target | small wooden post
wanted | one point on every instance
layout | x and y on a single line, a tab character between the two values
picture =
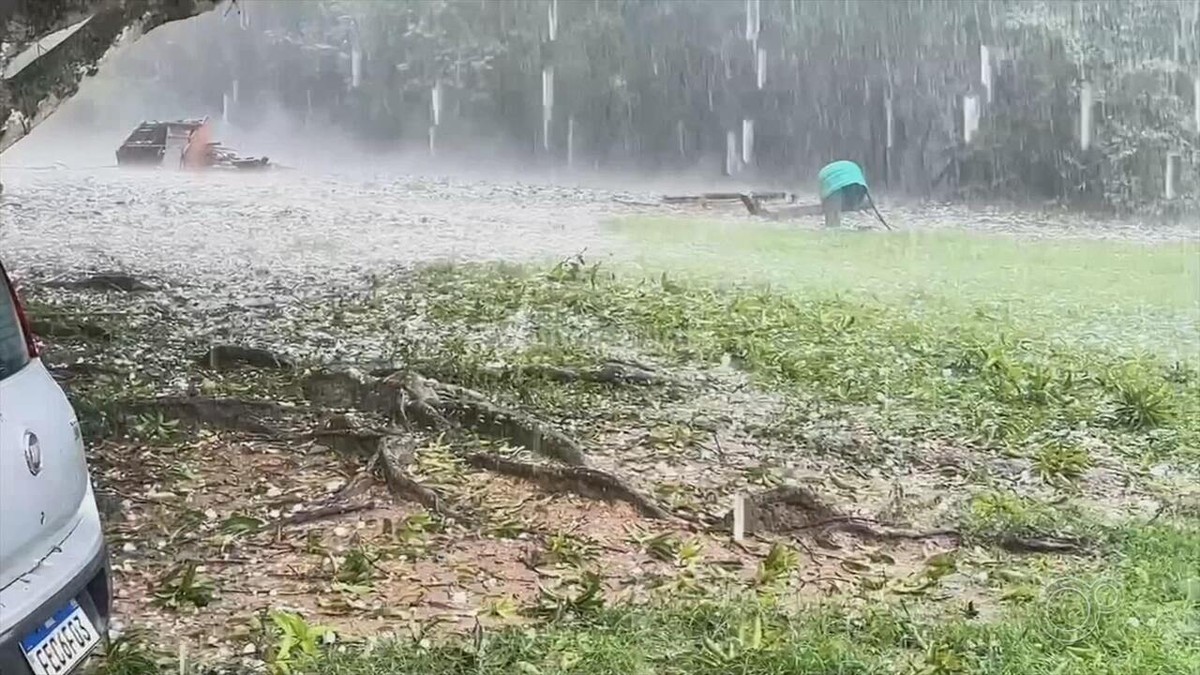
547	104
889	123
355	64
1174	166
730	153
970	113
748	142
1086	96
739	517
435	103
570	141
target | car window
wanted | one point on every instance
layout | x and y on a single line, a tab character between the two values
13	352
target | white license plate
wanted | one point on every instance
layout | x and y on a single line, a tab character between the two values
62	642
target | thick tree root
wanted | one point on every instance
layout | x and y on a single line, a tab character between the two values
64	327
1016	544
792	509
617	373
783	509
470	409
106	281
393	456
257	417
331	511
583	481
227	357
410	398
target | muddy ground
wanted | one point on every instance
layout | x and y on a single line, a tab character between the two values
212	524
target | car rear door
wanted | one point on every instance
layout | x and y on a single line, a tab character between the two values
43	473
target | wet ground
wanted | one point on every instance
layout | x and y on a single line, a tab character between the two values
240	226
236	257
243	229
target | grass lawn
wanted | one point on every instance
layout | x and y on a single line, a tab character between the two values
1079	359
1138	615
1129	296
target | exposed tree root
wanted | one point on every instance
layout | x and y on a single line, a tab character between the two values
793	509
393	456
583	481
106	281
62	326
227	357
412	399
609	372
257	417
470	409
783	509
320	513
1040	544
868	528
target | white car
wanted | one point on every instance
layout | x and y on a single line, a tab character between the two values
55	592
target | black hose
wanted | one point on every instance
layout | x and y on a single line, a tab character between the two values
877	213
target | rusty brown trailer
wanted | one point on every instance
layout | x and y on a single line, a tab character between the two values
185	143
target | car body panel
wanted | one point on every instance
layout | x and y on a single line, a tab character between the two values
43	471
52	548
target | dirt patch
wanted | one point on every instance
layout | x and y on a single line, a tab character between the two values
384	569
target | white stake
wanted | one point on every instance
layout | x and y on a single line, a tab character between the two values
1085	115
970	117
1173	161
355	65
985	70
739	517
547	104
435	103
570	141
891	121
748	142
730	153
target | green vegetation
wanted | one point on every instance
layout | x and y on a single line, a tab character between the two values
1120	295
1136	612
974	378
960	342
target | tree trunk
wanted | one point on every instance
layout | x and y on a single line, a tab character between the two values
33	93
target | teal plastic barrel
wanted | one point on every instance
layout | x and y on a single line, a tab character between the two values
839	174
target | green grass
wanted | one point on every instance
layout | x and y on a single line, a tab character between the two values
1135	611
1132	295
1138	613
1071	354
978	379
